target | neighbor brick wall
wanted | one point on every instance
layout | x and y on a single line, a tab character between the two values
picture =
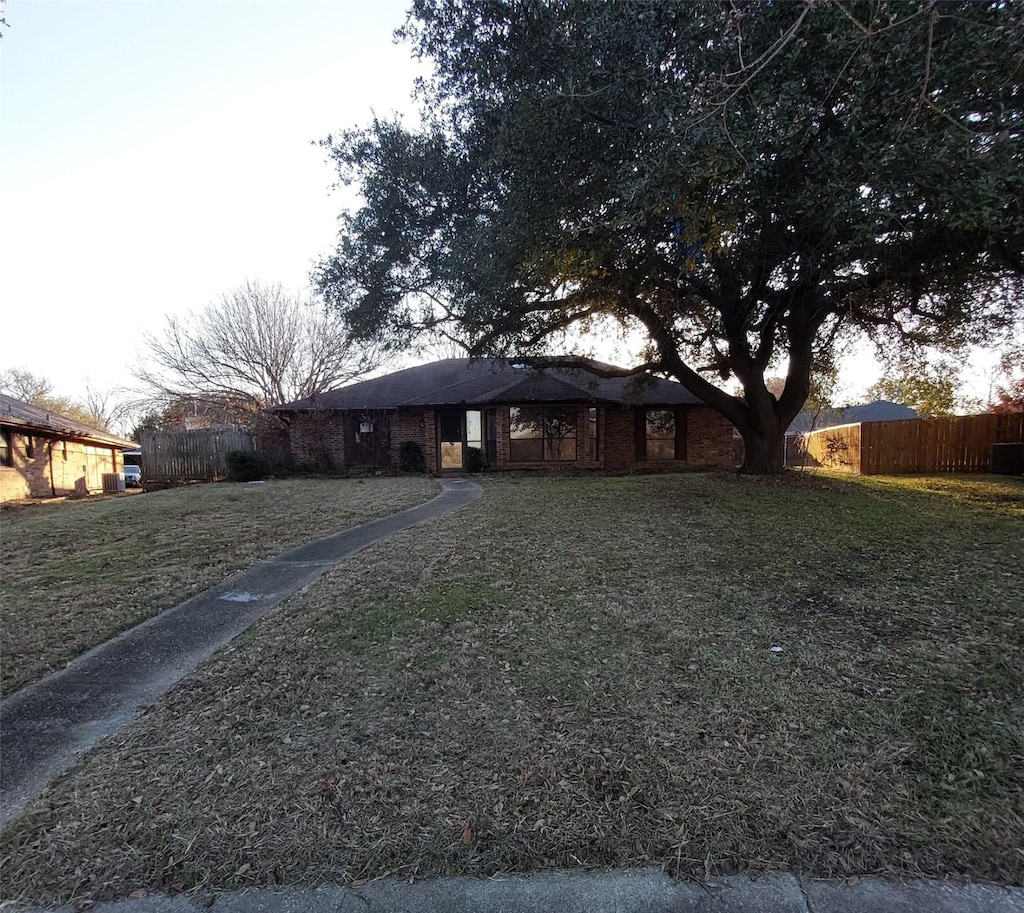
56	467
620	437
13	486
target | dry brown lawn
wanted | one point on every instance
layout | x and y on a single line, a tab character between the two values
75	573
702	672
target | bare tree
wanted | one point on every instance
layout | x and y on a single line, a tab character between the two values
105	410
257	345
24	385
109	409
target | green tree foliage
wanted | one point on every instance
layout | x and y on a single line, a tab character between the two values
933	390
742	181
1009	394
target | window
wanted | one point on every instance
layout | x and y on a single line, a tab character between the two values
30	448
592	433
542	434
661	434
5	448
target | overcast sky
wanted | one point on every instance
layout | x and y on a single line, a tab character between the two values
155	154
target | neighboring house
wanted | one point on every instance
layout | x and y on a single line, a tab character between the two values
881	410
517	417
43	454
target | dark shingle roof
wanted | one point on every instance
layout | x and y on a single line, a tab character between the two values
880	410
478	382
16	414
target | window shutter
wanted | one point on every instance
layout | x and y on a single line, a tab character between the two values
681	415
641	433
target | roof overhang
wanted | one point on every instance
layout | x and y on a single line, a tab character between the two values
26	427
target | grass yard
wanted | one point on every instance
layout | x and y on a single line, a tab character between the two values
76	573
704	672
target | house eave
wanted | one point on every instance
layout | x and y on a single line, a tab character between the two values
25	427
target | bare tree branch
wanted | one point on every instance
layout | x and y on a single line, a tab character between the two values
258	345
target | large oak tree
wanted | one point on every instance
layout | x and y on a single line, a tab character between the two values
743	181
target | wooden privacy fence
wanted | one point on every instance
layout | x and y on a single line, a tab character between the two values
961	443
190	456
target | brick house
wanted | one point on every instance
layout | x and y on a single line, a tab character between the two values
43	455
517	417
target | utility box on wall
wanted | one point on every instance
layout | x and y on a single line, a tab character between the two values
113	482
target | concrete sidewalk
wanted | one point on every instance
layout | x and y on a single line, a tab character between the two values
640	891
45	727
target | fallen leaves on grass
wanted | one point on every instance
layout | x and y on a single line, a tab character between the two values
577	673
77	573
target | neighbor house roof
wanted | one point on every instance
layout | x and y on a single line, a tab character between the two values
483	381
27	419
881	410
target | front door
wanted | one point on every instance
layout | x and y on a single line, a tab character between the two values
451	441
459	432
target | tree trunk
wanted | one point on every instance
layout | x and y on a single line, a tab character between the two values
764	453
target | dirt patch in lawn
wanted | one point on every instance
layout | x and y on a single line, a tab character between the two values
690	671
77	573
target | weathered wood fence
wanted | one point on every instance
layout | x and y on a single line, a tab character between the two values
190	456
958	444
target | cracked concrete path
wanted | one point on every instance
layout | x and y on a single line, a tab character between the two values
46	726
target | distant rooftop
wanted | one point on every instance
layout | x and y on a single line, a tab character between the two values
881	410
16	414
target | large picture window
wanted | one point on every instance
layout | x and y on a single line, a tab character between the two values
542	433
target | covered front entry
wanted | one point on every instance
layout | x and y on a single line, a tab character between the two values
460	431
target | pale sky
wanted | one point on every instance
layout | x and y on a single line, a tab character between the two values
156	153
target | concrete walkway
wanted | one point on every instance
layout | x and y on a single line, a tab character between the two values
45	727
642	891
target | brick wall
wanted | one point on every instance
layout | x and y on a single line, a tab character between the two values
318	435
709	438
317	439
430	438
44	466
410	425
620	437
